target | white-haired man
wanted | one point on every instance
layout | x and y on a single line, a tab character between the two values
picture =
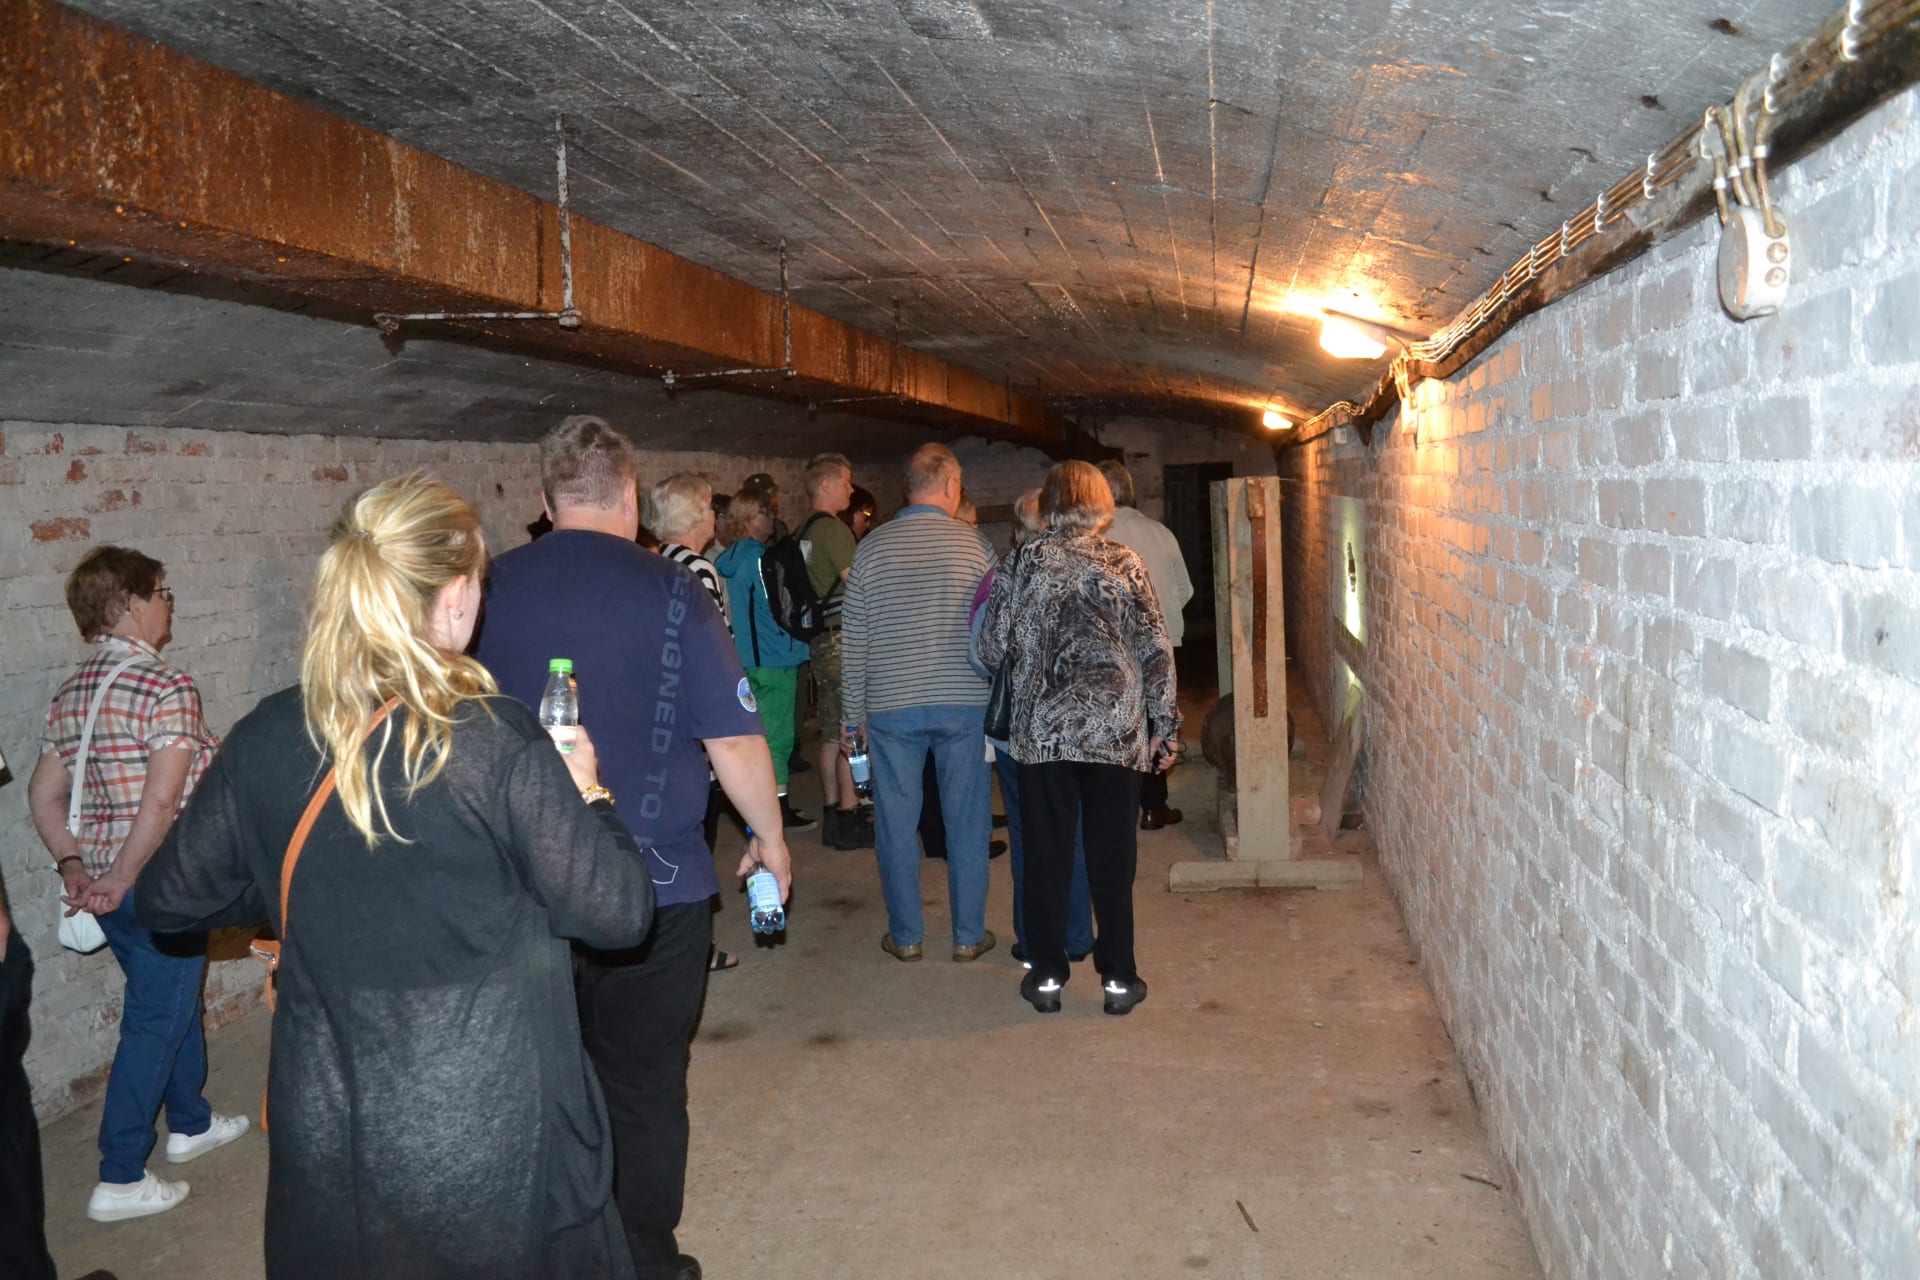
1154	543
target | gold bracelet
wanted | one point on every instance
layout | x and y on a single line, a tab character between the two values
596	792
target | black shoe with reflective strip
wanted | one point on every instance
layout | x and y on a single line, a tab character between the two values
1122	996
1042	993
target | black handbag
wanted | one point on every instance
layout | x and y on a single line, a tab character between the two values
999	723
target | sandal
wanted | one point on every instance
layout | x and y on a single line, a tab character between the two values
718	960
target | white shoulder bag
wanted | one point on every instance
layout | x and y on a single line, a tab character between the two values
80	931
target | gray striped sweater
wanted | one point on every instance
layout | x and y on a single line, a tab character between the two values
904	629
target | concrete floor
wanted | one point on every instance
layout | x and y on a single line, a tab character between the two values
1285	1104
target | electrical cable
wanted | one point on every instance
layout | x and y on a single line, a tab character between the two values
1739	166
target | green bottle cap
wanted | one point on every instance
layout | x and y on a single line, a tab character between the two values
561	664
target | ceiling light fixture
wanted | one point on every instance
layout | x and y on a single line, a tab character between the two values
1274	420
1349	338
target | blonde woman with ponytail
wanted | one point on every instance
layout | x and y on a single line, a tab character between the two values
433	1113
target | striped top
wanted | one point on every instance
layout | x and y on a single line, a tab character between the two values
702	568
905	627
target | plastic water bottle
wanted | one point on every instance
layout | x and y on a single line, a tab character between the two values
560	705
764	911
860	767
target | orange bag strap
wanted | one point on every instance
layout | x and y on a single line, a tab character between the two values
312	815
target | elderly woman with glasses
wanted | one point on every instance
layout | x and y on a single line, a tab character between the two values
1075	621
146	746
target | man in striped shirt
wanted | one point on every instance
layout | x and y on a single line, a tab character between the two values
906	683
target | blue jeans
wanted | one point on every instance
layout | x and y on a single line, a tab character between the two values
162	1056
898	743
1079	903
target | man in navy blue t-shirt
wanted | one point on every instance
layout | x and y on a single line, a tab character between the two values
658	680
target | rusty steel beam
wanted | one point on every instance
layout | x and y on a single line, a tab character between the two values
115	144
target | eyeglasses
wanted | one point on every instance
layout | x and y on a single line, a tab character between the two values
164	593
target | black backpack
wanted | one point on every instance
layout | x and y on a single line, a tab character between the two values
799	611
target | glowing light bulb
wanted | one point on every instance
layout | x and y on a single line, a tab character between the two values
1350	339
1273	420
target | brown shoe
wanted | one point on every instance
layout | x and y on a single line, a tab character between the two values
898	952
1154	819
987	943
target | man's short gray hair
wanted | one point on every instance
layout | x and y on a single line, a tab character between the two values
677	504
1120	480
928	469
585	462
823	467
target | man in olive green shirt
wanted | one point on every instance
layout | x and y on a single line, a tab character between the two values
828	546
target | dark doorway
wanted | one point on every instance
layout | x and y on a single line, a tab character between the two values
1189	513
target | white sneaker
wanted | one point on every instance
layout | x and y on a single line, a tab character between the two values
118	1201
223	1130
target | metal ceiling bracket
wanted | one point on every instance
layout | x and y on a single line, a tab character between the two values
671	379
567	317
814	406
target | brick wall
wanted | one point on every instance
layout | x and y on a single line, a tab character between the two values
239	520
1642	646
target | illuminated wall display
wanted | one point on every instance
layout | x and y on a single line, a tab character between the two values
1349	548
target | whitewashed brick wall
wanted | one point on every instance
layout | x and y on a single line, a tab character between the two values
1643	652
240	521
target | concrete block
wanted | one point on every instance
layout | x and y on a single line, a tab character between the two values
1792	603
1883	631
1704	584
1646	569
1779	429
1640	439
1821	891
1738	677
1715	359
1667	301
1657	375
1616	319
1847	524
1617	504
1830	713
1833	232
1670	649
1809	338
1676	505
1749	765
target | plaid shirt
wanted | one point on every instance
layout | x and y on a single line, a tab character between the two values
150	707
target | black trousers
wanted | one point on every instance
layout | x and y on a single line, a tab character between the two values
637	1013
23	1200
1055	798
1153	790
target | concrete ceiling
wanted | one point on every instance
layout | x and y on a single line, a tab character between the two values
1122	207
91	338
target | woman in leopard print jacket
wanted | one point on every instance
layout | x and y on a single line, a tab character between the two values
1093	690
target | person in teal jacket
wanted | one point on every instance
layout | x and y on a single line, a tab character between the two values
770	654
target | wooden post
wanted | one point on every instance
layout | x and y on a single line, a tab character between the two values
1250	614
